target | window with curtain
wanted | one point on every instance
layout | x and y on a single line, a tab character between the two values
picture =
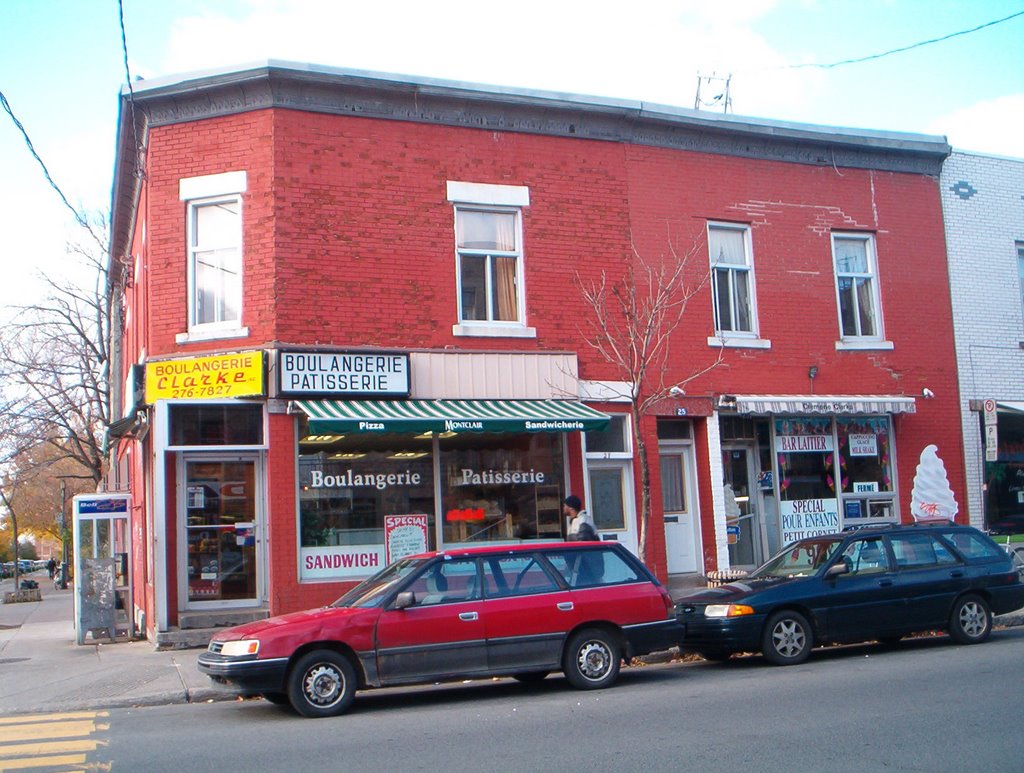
733	286
489	258
856	286
215	262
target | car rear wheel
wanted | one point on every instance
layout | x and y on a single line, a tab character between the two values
787	639
970	621
592	659
322	683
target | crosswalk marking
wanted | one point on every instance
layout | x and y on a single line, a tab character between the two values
50	741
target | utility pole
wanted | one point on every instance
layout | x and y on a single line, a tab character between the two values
62	522
713	92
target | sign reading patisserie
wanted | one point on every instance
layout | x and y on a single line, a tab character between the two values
343	373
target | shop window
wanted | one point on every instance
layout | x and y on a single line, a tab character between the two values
1004	478
856	271
733	280
501	487
864	468
216	424
347	487
808	503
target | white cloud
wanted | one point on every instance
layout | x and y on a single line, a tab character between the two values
993	126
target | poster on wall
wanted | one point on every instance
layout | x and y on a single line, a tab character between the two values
808	518
404	535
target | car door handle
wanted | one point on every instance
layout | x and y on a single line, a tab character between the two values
956	573
469	616
565	606
884	583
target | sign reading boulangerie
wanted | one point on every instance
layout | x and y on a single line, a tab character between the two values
369	374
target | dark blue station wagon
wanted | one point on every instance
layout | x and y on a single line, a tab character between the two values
870	584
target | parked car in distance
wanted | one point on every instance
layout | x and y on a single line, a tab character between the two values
513	610
869	584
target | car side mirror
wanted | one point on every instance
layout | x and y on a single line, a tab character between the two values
837	569
403	600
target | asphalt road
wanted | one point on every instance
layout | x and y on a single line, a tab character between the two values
929	705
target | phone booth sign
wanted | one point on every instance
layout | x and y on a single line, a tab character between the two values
102	573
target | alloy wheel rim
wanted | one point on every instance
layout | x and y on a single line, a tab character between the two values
972	619
594	660
323	685
789	638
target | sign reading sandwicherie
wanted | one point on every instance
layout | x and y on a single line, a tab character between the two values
201	378
328	374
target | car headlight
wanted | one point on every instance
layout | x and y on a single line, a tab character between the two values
727	610
232	649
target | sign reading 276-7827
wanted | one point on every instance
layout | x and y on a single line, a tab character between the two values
200	378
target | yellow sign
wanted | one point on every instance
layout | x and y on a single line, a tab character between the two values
202	378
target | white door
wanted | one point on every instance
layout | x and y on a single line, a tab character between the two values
610	501
682	538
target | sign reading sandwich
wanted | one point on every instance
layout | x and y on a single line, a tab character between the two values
202	378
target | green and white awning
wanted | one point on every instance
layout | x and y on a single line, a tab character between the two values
376	416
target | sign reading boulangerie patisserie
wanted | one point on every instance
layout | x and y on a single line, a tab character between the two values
366	374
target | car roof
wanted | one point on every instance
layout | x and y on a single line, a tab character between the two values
521	547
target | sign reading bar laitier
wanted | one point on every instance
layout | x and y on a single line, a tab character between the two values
334	374
202	378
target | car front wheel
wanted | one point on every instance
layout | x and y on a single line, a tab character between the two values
970	621
592	659
787	639
322	683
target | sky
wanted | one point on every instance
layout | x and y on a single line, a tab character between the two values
62	65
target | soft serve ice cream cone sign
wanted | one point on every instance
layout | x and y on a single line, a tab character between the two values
932	499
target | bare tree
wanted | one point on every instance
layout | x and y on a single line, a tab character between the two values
631	324
54	377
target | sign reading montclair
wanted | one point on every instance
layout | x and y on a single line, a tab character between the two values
343	373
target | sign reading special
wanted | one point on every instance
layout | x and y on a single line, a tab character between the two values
343	373
404	535
808	518
202	378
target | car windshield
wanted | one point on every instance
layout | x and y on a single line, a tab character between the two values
372	592
800	559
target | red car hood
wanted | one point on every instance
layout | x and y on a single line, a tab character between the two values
306	622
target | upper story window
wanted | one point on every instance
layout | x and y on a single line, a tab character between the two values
489	257
214	254
732	286
1020	270
860	317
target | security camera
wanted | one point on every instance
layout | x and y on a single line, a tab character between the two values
927	393
676	391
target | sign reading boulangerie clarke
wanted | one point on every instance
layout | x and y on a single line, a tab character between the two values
328	374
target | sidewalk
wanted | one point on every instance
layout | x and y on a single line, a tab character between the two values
43	670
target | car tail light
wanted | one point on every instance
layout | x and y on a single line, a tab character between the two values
669	606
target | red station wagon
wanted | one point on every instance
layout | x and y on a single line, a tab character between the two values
521	611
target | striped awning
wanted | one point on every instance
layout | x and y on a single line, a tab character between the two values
376	416
829	404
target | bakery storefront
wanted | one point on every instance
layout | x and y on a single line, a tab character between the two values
381	478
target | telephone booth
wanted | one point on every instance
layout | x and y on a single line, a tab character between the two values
102	574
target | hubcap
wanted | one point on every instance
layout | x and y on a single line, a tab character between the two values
789	638
972	619
323	685
594	660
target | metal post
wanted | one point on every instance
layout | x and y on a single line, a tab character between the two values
62	581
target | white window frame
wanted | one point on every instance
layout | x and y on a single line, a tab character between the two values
735	338
1020	271
198	192
501	199
877	340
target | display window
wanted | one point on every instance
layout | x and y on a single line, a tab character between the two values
501	487
356	491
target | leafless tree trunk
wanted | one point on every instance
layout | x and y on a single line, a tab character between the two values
631	325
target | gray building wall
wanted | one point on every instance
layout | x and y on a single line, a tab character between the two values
983	205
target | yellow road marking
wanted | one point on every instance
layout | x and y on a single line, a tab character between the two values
42	762
28	718
47	747
52	730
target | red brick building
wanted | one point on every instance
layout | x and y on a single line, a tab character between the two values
347	297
